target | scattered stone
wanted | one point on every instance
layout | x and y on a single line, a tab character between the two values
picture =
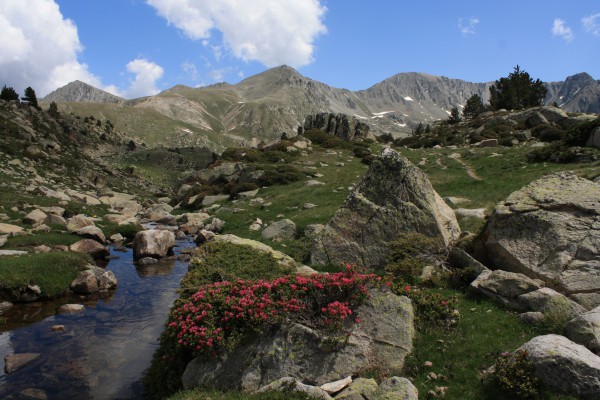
428	364
12	253
78	222
210	200
283	230
286	384
91	232
153	243
564	366
334	387
41	228
53	193
313	183
216	225
54	219
91	247
309	206
7	229
71	308
117	238
35	217
249	194
42	249
13	362
394	197
57	328
585	330
203	237
478	213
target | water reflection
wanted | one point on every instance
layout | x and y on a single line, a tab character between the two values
103	350
161	268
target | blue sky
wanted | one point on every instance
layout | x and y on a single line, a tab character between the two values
140	47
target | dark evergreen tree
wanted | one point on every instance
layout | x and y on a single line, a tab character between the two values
428	129
474	107
419	130
454	116
53	110
517	91
30	97
8	94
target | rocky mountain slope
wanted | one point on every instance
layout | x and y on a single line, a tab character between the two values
78	91
261	107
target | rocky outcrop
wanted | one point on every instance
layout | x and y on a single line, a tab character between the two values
153	243
340	125
564	366
394	197
549	230
382	339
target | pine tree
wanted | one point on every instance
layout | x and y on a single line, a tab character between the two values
53	110
8	94
454	116
30	97
517	91
474	107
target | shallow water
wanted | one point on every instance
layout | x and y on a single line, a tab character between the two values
105	349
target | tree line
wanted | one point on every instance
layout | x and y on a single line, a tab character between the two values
9	94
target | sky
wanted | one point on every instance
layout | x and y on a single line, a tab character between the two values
135	48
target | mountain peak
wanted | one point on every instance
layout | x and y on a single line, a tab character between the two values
81	92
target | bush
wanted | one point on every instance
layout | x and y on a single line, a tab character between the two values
547	133
514	373
432	307
241	154
280	174
506	142
234	188
579	134
217	262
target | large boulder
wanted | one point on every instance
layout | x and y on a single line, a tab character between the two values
549	230
585	330
153	243
91	247
35	217
382	339
394	197
504	286
564	366
92	280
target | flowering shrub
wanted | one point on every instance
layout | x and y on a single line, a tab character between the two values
219	315
514	373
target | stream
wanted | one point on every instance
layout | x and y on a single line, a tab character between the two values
104	350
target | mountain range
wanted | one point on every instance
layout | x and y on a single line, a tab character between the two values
263	106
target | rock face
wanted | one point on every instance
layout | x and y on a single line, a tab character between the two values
549	230
153	243
341	125
564	366
394	197
382	339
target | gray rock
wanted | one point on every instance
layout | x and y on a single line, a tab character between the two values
588	300
85	283
55	220
532	317
210	200
91	232
564	366
35	217
394	197
284	229
12	253
91	247
488	143
478	213
549	230
460	259
359	389
396	388
216	225
313	230
287	384
585	330
5	306
551	304
153	243
336	386
505	287
78	222
382	339
8	229
72	308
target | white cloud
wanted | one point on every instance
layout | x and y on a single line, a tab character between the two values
190	69
560	29
591	24
146	74
272	32
39	47
467	25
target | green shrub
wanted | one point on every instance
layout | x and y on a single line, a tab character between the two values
547	133
415	245
218	261
128	231
241	154
280	174
514	373
579	134
234	188
506	141
432	307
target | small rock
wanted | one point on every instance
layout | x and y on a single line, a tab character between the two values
12	253
72	308
57	328
308	206
42	249
5	306
91	247
334	387
35	217
313	183
7	229
428	364
14	362
145	261
117	238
